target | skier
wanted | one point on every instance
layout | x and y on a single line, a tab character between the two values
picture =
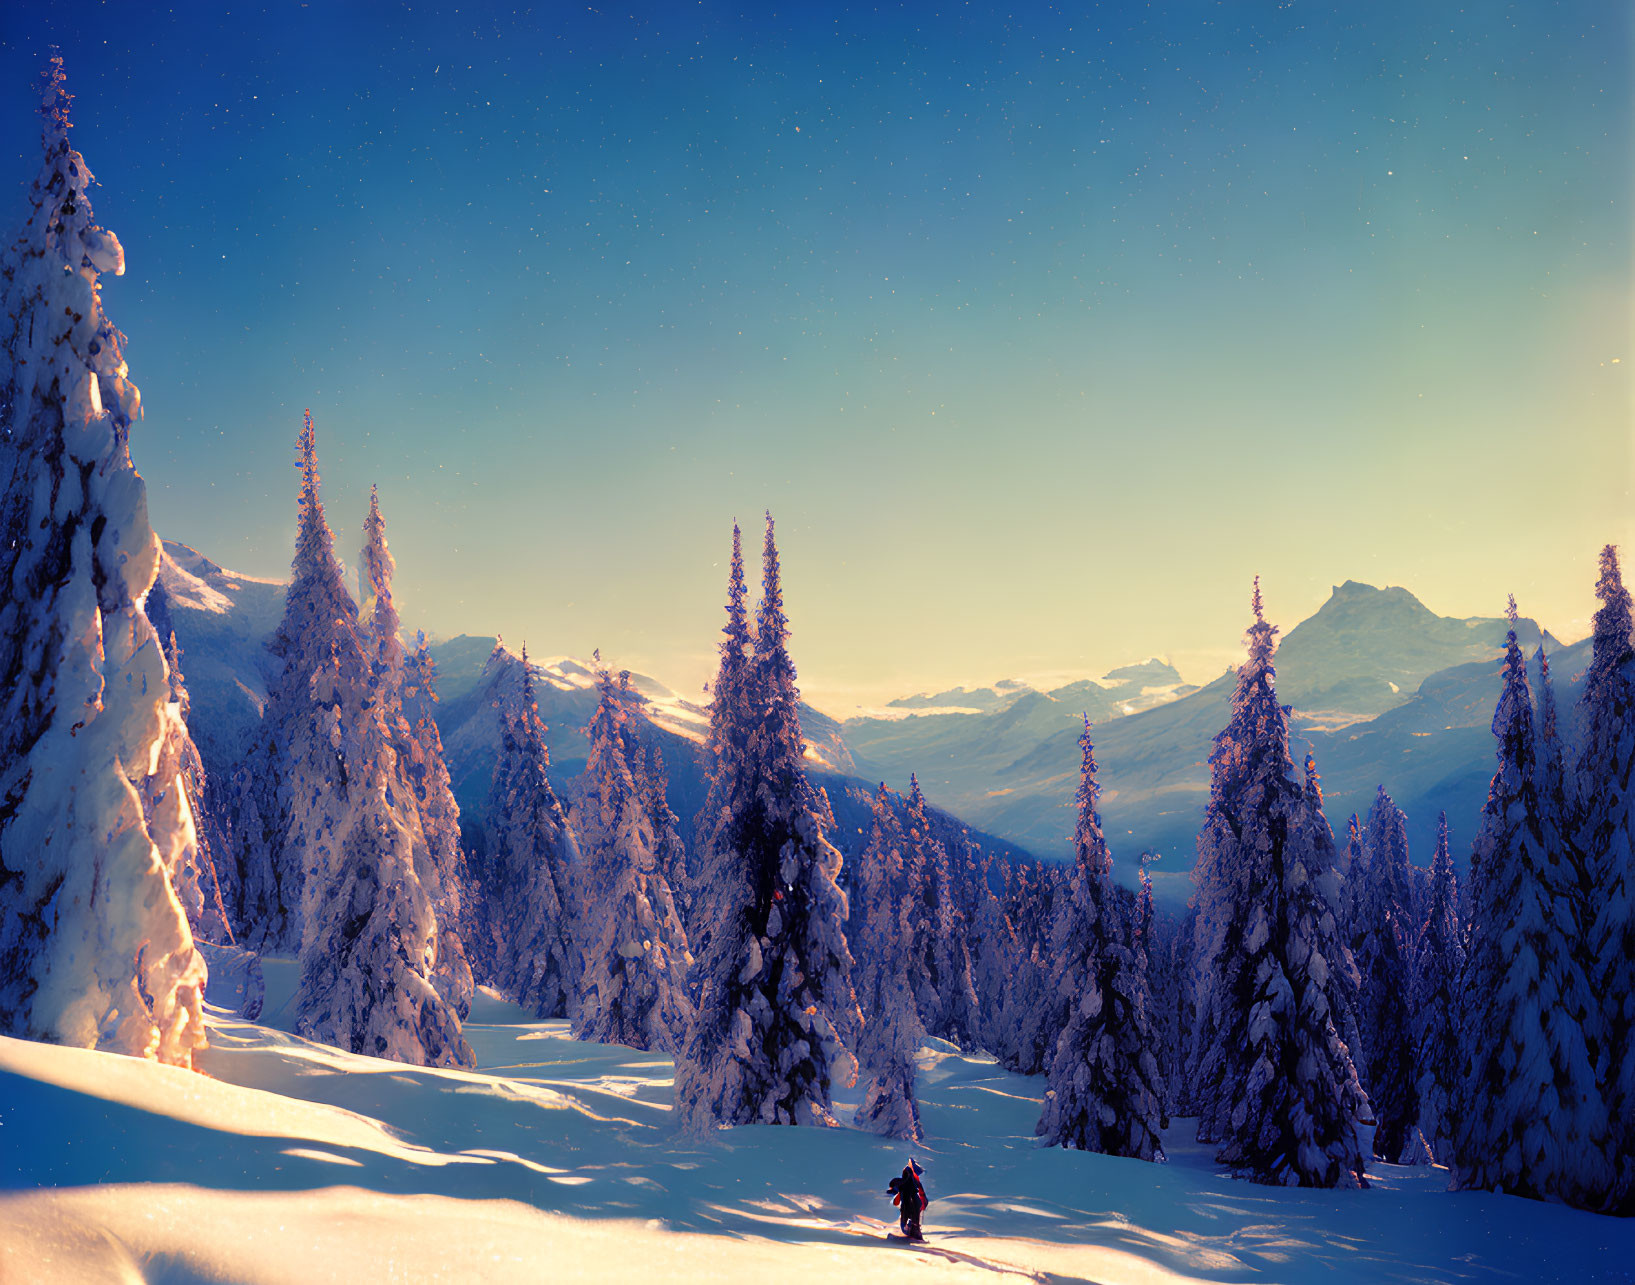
908	1194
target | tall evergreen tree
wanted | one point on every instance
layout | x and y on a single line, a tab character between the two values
292	799
1525	1126
669	850
1355	891
429	809
1144	916
528	908
1345	987
776	1004
368	930
1605	831
891	1024
731	784
1177	993
991	971
1384	927
1439	961
1038	999
1105	1093
422	755
1552	769
178	778
634	986
95	948
1276	1082
944	992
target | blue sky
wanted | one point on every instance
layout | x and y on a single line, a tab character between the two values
1040	333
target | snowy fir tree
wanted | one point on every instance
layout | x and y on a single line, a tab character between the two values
633	988
1168	968
1553	785
1345	991
991	971
377	610
1036	1001
669	849
1277	1086
1531	1109
776	1005
529	948
891	1025
1354	893
369	955
1605	829
1383	904
731	784
421	754
179	766
292	801
95	948
1104	1091
433	816
1439	961
944	992
1143	923
368	929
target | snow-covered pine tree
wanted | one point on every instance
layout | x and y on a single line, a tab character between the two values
430	811
292	802
1169	962
1386	838
730	796
1605	829
776	1005
1105	1093
1528	1078
1345	985
1552	770
891	1024
528	943
1439	961
179	764
377	612
1036	1001
669	849
917	878
1278	1088
1384	907
944	993
366	964
1142	940
633	989
95	949
991	971
368	924
1355	890
421	754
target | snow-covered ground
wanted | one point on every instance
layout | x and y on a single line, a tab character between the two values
289	1161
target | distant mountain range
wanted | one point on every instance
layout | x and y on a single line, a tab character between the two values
1128	688
1384	691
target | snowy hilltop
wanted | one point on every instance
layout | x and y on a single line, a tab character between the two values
298	1162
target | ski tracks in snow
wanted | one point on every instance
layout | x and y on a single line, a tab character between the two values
874	1229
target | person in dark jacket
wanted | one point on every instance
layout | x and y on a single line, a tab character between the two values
908	1194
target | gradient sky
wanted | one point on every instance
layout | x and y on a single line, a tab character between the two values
1039	332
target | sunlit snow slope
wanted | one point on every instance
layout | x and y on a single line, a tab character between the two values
293	1162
